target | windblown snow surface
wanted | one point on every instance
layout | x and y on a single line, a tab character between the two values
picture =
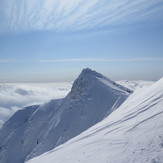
34	130
131	134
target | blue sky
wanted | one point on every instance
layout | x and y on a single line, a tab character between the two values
53	40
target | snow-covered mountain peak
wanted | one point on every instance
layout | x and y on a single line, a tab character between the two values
89	72
83	83
88	79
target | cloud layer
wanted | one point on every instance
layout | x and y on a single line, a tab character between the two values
16	96
68	15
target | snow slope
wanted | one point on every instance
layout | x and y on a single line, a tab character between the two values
133	133
90	100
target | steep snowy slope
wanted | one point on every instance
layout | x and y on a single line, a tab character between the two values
20	133
91	99
131	134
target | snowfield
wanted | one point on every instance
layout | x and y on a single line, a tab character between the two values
133	133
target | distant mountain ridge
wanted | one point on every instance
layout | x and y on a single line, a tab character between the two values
91	99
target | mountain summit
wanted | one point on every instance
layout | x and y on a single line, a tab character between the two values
88	71
92	98
88	78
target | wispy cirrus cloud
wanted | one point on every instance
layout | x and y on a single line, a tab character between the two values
67	15
5	61
85	60
101	60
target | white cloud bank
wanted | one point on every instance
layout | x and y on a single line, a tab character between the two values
61	15
133	85
16	96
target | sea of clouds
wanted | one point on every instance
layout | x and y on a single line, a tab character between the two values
133	85
14	97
